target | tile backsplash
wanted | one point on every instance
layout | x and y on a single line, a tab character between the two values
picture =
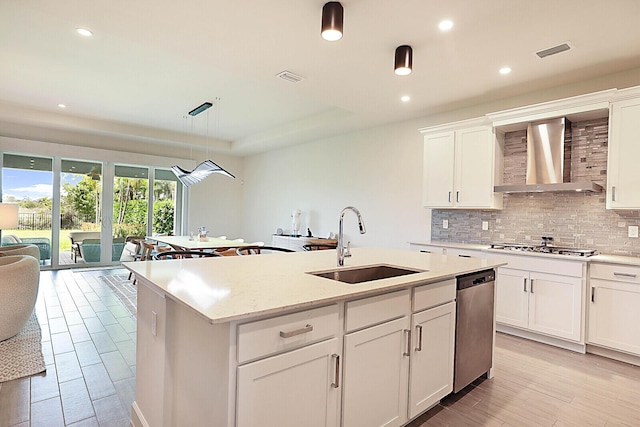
577	220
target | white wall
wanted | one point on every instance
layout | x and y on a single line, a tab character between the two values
379	171
216	202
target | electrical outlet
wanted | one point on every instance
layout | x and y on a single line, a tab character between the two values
633	231
445	223
485	225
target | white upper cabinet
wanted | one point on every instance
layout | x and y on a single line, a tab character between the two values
461	167
623	174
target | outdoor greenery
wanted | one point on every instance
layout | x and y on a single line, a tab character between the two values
80	208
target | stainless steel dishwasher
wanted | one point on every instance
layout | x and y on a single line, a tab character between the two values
474	327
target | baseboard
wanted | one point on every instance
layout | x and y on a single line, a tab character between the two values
556	342
137	419
613	354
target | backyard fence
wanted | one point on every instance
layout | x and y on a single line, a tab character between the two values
42	221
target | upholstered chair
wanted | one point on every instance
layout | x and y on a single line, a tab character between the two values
18	291
25	249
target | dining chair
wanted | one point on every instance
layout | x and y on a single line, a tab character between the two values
147	250
228	250
319	246
258	249
184	254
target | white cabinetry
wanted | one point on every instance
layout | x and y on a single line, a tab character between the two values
614	313
267	387
308	376
375	375
416	351
549	303
461	167
432	357
623	174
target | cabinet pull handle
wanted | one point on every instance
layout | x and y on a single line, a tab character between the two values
524	283
613	193
424	251
407	351
630	275
307	328
531	286
457	196
464	256
336	383
449	196
593	294
419	347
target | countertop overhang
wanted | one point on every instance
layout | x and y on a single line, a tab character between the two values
224	289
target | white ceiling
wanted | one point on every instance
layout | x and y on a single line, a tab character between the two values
150	62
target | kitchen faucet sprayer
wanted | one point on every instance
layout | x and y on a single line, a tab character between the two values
345	251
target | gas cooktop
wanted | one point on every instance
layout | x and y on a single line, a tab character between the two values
545	249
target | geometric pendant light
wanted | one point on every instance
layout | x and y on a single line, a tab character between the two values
403	60
332	19
205	168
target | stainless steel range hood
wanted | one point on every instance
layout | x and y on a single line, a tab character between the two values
548	161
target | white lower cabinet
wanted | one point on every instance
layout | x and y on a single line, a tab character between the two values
614	313
546	303
375	375
431	376
394	371
309	376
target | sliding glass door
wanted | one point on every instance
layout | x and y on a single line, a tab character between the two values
96	206
80	211
27	181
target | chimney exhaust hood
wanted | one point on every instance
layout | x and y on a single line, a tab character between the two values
548	161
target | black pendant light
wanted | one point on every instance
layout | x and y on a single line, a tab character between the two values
404	60
332	18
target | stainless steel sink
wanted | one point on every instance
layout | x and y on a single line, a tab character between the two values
365	274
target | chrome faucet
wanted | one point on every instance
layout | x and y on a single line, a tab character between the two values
345	251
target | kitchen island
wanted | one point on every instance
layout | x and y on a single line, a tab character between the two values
256	340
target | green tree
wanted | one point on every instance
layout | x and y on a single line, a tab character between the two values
163	216
83	198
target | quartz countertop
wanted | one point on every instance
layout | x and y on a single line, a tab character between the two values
223	289
603	258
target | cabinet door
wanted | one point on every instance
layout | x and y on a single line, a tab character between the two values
294	388
623	178
614	315
376	374
437	190
474	167
555	305
512	297
431	376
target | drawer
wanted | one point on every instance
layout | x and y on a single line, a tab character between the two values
434	294
464	253
378	309
264	337
621	273
427	249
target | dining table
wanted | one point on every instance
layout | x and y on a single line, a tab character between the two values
195	243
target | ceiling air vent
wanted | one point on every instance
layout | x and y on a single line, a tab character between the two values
554	50
290	77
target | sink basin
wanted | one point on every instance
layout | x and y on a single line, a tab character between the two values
365	274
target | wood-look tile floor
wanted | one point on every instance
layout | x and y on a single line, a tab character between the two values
89	347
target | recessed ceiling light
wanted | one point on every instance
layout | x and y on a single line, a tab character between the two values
62	106
84	32
405	98
445	25
505	70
